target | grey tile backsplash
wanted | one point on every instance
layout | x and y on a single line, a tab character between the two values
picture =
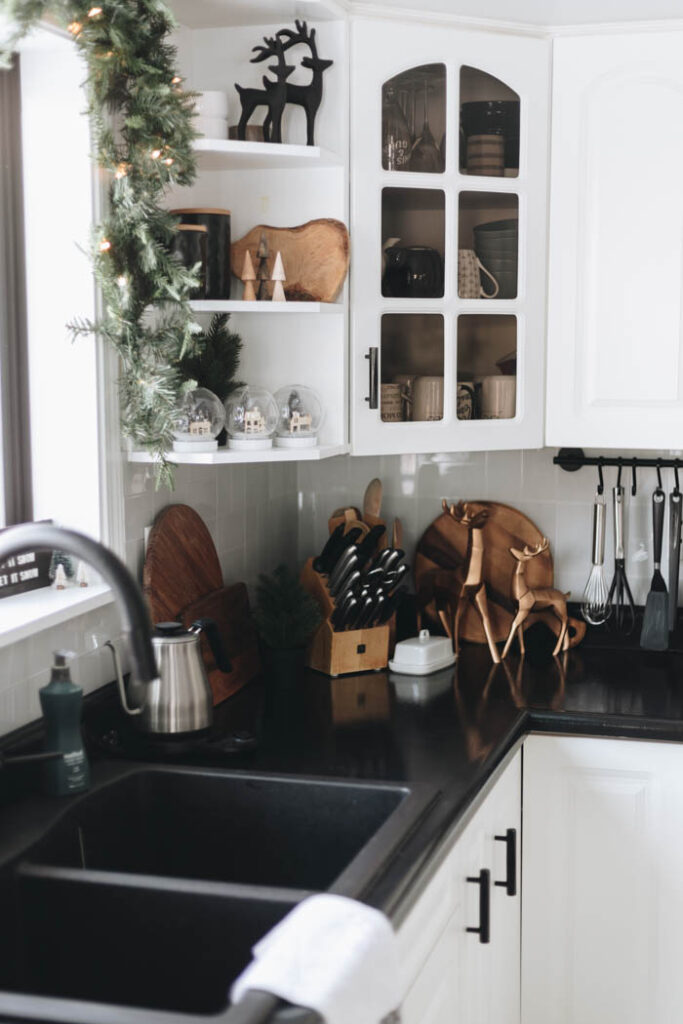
263	514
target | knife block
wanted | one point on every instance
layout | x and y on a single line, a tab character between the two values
348	651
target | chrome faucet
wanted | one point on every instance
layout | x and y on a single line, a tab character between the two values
137	627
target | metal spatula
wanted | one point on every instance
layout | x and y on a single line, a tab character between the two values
675	507
655	633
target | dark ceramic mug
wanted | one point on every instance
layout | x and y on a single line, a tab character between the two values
413	272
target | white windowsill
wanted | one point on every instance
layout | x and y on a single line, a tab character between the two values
24	615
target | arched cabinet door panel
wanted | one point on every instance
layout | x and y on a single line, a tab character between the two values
449	170
615	328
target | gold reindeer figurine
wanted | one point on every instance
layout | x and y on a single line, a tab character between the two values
473	588
535	600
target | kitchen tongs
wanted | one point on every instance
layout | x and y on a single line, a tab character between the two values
620	596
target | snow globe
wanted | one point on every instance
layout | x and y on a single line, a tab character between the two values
198	421
251	419
300	416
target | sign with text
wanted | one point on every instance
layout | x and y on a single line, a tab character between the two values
28	571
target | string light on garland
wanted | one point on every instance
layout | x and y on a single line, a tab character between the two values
151	149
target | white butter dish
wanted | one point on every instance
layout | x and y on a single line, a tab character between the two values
422	654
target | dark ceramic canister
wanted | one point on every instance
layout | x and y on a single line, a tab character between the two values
190	244
217	224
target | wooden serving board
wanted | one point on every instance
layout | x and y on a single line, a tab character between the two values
181	564
183	581
315	257
229	608
444	546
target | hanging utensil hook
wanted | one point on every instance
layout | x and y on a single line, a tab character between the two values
677	488
634	489
659	474
621	466
601	482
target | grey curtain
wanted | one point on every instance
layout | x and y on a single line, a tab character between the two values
14	392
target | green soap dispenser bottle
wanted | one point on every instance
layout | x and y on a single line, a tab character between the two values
62	702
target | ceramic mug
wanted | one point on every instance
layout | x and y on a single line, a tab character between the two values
485	154
391	403
498	397
428	398
470	269
466	404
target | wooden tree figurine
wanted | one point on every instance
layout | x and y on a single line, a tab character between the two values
278	276
248	277
262	272
529	600
473	588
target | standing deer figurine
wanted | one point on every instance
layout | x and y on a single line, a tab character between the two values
535	600
473	588
273	95
307	96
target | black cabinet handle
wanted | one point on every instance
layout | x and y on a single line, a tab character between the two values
483	880
371	398
510	839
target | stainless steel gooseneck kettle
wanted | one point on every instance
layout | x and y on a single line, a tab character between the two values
180	699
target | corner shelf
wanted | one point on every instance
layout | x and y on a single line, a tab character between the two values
233	154
227	457
279	308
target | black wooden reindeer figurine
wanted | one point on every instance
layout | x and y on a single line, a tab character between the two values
273	95
307	96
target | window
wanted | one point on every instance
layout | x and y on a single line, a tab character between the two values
16	492
50	385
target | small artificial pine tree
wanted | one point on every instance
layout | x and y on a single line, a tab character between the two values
215	365
285	613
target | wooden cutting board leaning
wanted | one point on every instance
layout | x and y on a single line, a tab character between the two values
315	257
183	581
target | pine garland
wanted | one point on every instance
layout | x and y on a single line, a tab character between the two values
132	83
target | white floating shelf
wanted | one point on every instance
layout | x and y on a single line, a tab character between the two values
227	457
279	308
232	154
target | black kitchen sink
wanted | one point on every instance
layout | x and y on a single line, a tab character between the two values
152	946
227	827
142	901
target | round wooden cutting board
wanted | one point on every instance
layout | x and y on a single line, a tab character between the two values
444	546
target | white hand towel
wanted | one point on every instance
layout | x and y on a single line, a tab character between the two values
330	954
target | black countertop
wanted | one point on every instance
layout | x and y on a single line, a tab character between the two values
450	731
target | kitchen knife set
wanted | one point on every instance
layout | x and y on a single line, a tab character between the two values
364	583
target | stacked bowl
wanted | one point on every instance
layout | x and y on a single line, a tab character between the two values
496	243
211	114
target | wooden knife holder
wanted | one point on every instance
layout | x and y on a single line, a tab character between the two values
348	651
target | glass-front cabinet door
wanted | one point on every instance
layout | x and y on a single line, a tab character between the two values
449	169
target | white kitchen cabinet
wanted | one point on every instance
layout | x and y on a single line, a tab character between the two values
420	331
615	373
603	888
453	977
